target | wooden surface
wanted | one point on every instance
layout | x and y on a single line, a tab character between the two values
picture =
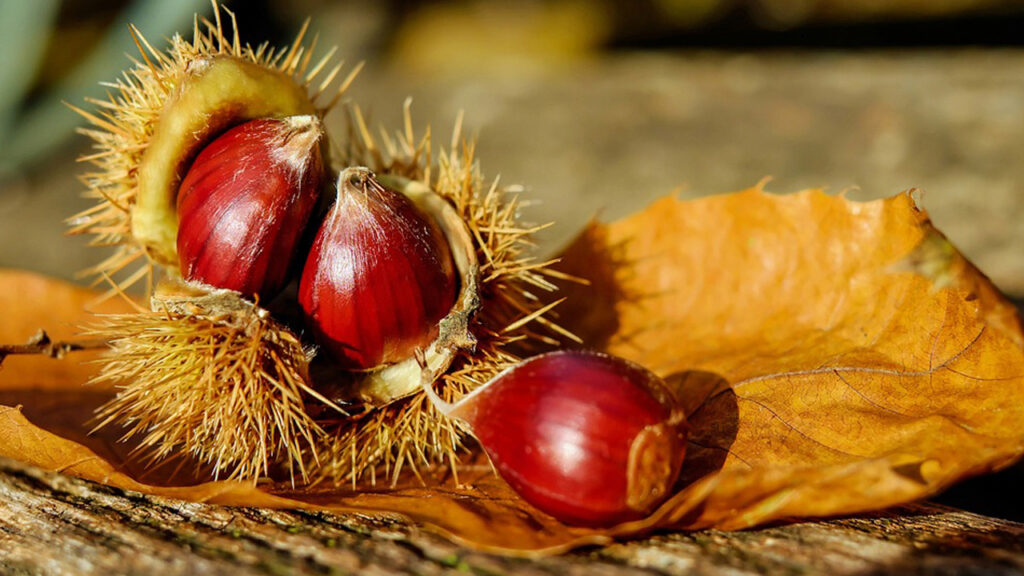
53	524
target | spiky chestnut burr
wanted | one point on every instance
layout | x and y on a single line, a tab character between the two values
214	376
244	204
589	438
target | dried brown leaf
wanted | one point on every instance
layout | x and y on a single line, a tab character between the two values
833	357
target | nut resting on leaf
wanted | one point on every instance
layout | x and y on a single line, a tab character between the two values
589	438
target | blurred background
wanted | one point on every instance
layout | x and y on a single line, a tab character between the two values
599	107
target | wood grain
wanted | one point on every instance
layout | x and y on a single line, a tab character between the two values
53	524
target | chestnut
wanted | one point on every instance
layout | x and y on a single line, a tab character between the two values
244	203
379	277
588	438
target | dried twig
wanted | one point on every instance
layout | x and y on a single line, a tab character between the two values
40	343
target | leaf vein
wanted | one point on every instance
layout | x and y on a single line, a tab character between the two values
797	430
862	369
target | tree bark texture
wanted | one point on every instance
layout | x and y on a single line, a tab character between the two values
53	524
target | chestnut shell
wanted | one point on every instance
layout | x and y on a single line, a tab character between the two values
379	277
591	439
245	202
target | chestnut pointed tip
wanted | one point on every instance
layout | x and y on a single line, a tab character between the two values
357	179
298	137
355	175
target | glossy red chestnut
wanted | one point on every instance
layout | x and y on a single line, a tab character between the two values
379	277
245	201
590	439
